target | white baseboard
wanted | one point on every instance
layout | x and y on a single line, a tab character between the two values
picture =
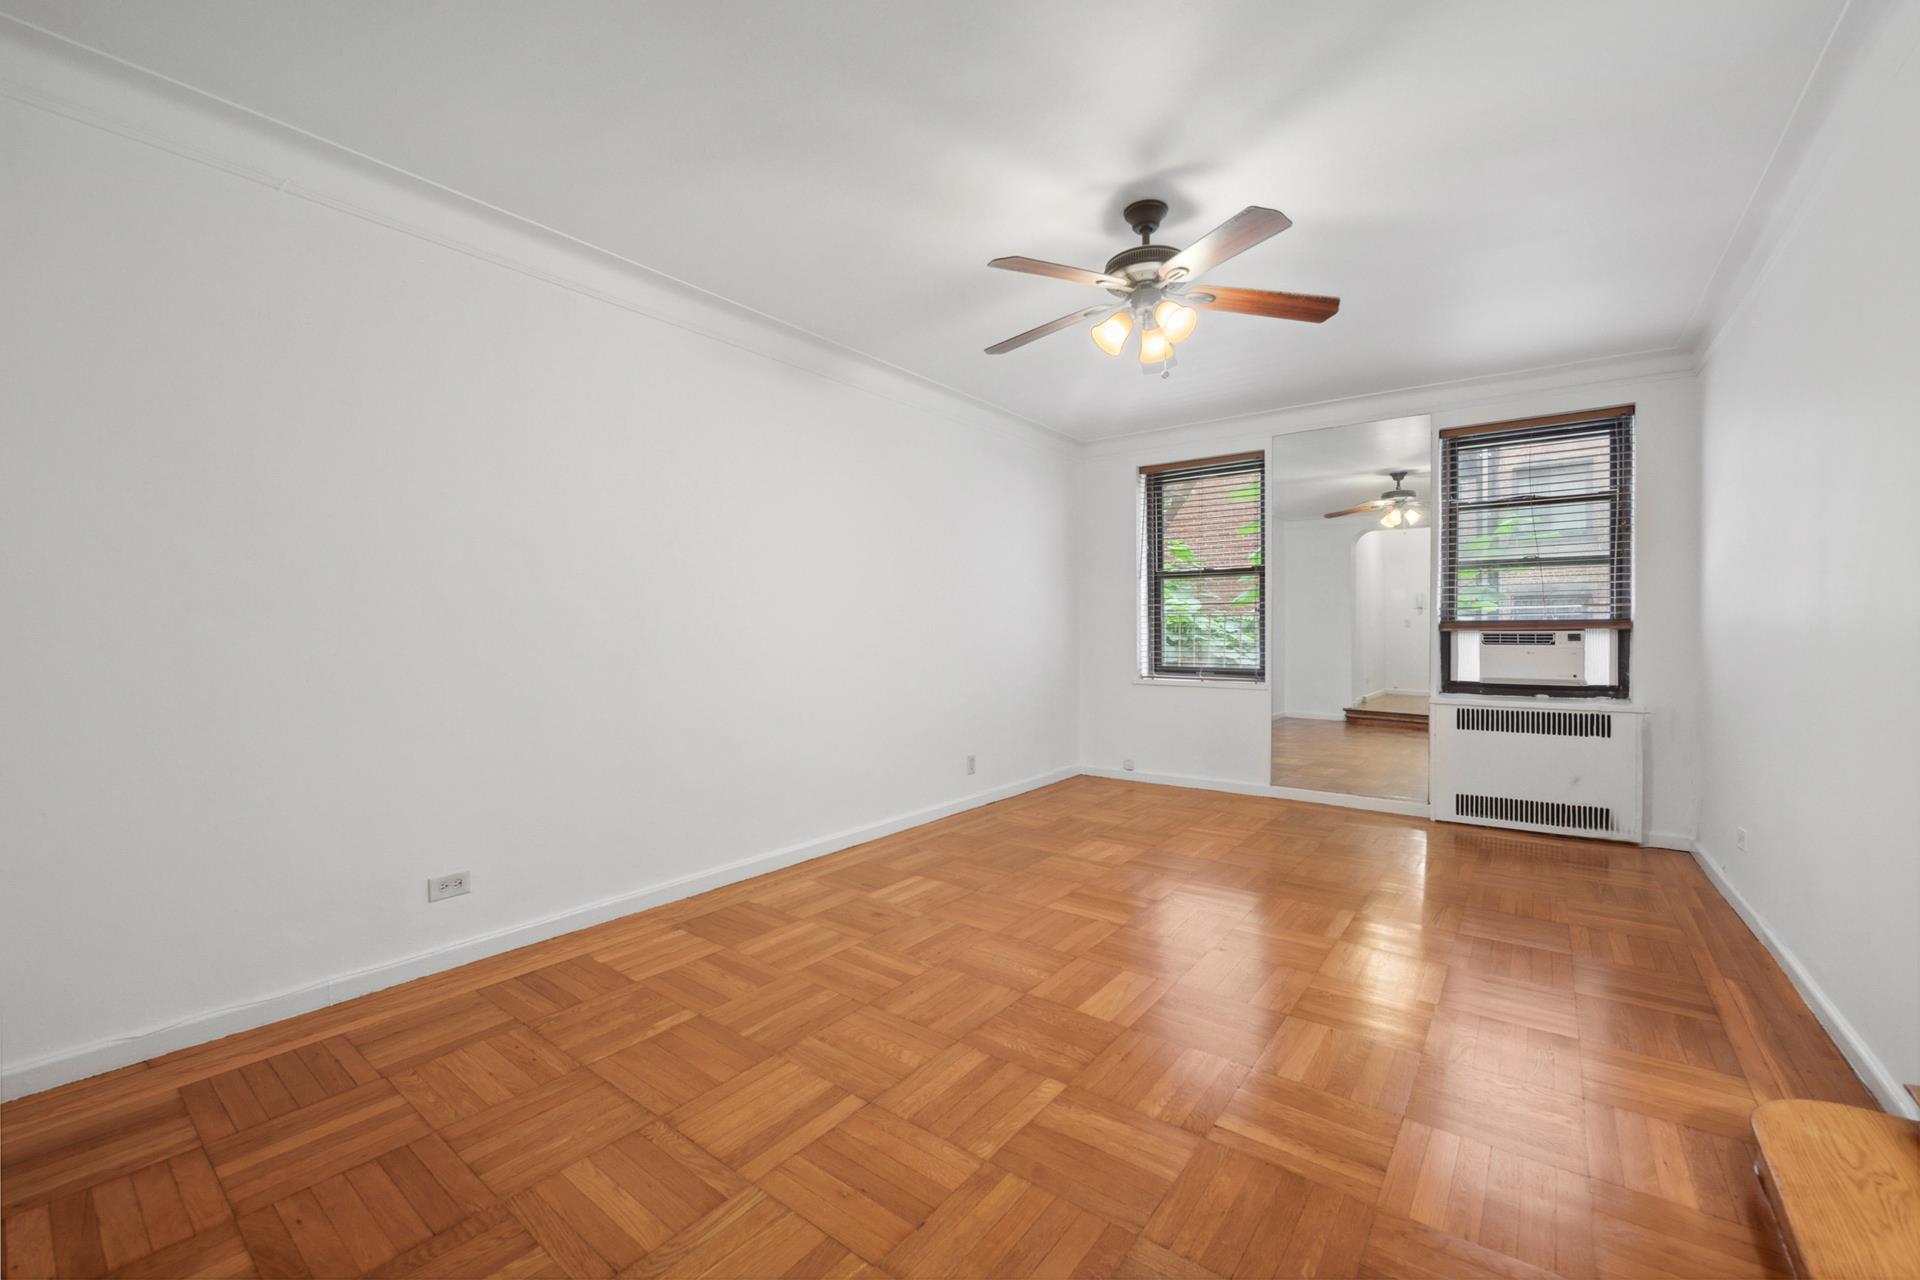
1668	840
19	1079
1311	715
1884	1085
1372	804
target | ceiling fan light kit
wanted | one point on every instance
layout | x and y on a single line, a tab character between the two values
1156	285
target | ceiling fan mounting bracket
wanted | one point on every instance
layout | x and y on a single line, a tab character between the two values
1140	263
1145	216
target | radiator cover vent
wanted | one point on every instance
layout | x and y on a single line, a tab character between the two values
1557	724
1561	768
1538	813
1516	637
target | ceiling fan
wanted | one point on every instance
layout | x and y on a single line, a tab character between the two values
1401	505
1158	287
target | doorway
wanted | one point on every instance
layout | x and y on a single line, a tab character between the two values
1390	632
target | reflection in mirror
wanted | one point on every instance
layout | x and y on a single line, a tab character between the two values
1350	607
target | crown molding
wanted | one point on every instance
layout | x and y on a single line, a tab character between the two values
49	73
1435	399
1872	44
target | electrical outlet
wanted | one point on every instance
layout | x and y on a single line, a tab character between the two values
1740	839
1127	764
969	764
451	885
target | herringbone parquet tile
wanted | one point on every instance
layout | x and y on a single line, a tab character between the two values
1103	1029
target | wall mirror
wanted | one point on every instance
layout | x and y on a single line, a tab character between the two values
1350	550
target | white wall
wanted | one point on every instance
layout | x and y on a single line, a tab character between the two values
339	553
1221	734
1391	635
1810	614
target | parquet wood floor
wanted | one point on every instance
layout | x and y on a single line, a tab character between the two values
1350	758
1102	1029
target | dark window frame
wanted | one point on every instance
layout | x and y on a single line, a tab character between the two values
1153	480
1619	423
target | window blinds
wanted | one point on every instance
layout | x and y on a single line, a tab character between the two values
1537	523
1205	543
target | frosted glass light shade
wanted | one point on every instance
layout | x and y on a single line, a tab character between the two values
1178	321
1111	334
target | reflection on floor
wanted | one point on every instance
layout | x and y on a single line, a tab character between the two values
1407	710
1355	759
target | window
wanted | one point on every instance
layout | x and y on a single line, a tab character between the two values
1536	558
1205	541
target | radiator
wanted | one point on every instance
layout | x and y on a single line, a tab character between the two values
1569	770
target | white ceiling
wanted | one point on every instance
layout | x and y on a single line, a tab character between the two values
1490	187
1310	473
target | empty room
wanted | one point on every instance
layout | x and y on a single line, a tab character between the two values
987	640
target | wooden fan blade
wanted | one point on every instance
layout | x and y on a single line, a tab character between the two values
1375	505
1074	275
1041	331
1262	302
1235	236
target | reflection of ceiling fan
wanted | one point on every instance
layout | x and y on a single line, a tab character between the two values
1402	505
1156	285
